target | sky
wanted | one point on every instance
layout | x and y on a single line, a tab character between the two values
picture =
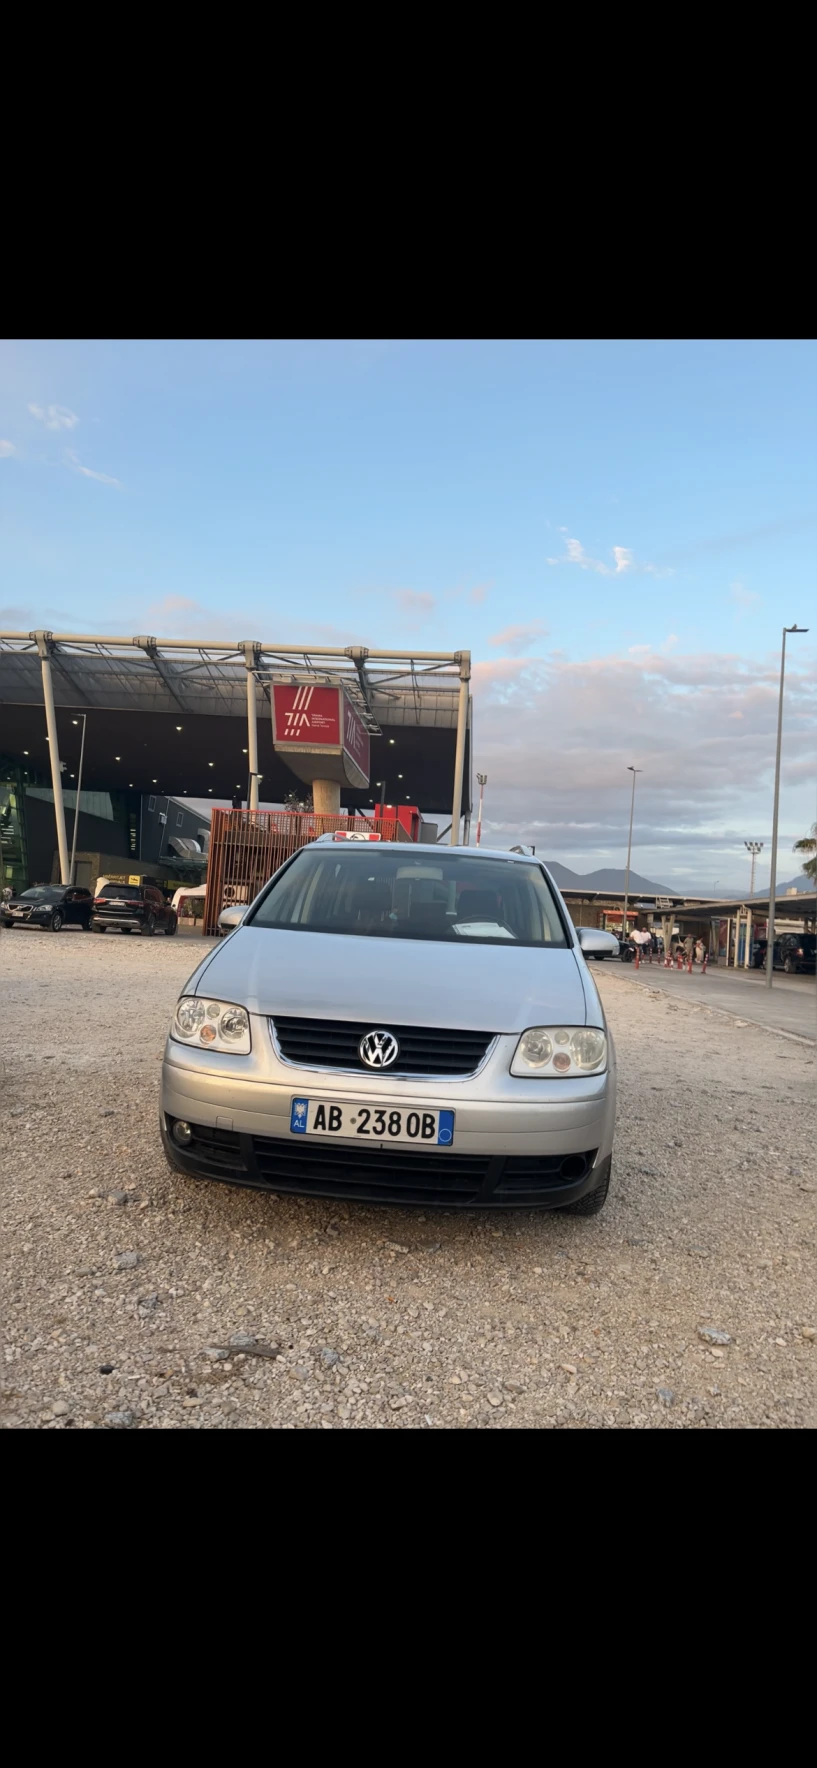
617	530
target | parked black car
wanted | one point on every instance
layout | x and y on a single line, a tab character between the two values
49	905
792	952
134	908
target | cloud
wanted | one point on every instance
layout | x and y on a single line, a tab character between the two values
475	595
574	554
182	616
643	651
416	603
518	638
16	619
7	449
745	599
55	417
556	737
88	473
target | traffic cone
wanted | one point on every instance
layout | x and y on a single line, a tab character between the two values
679	958
689	965
704	964
637	956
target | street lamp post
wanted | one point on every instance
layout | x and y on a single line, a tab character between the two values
754	848
773	869
72	866
483	778
633	771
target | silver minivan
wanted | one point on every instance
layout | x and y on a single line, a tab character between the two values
399	1024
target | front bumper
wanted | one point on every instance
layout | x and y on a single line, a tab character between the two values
132	923
522	1143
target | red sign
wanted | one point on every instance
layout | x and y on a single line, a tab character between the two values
310	718
345	835
306	716
355	737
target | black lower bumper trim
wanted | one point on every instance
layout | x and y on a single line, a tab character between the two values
388	1175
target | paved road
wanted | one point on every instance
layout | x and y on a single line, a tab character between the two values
789	1005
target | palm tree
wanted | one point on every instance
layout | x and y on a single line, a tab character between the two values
808	845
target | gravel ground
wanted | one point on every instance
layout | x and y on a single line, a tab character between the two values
127	1290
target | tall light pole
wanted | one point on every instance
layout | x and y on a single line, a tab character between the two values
753	847
76	806
773	869
633	771
483	779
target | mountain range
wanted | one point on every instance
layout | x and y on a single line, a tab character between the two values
612	878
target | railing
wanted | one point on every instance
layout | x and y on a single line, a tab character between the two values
247	846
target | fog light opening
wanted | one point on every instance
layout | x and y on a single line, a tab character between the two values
574	1166
182	1133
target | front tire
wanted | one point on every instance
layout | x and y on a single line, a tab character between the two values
171	926
56	921
593	1201
788	966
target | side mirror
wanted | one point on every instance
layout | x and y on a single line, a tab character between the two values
595	943
230	918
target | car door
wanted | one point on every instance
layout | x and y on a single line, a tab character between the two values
155	902
81	906
69	907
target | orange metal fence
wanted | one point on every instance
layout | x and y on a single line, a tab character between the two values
247	846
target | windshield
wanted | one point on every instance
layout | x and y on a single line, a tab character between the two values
121	892
42	893
395	895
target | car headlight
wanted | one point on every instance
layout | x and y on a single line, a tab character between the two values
550	1052
211	1025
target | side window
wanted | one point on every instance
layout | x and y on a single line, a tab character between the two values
180	819
152	803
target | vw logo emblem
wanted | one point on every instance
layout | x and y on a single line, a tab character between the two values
378	1049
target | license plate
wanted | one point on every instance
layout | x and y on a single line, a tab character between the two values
351	1119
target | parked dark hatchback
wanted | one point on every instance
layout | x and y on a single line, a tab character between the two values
49	905
134	908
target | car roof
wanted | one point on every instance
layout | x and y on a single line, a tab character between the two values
419	847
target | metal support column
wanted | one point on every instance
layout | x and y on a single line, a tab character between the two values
464	660
73	867
43	648
251	659
747	956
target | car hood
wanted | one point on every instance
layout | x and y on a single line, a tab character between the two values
405	982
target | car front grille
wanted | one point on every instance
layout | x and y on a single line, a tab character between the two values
335	1043
382	1175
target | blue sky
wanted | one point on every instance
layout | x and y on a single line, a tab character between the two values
617	531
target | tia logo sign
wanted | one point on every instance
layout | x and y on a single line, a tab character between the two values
313	717
356	737
301	717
